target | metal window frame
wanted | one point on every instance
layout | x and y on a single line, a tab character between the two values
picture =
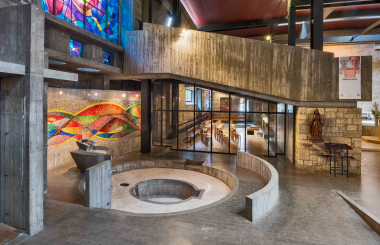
268	112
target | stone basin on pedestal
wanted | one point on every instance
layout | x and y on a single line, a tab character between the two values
89	155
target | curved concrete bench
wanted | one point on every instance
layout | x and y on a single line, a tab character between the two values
229	179
261	202
176	164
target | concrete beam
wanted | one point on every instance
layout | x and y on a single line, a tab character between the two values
60	75
7	68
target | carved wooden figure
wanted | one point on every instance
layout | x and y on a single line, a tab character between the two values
316	127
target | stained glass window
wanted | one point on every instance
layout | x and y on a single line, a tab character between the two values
100	17
106	58
75	48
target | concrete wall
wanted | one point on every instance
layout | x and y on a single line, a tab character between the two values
73	101
230	62
263	201
161	14
342	125
362	50
21	123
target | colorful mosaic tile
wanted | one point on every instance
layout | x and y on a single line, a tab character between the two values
104	120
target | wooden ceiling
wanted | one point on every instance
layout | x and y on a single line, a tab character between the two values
206	12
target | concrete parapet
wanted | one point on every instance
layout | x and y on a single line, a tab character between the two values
261	202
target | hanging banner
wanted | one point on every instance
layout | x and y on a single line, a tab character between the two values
350	77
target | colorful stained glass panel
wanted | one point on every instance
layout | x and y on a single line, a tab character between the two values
75	48
106	58
47	5
101	16
113	9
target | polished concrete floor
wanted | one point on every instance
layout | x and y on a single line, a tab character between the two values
308	212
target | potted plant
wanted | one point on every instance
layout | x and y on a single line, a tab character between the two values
375	112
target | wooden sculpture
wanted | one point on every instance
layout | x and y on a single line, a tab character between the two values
316	127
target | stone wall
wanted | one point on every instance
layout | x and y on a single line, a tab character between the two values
70	102
361	50
341	125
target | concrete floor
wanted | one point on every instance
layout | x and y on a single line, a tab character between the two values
308	212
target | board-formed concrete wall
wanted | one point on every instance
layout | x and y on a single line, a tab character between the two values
341	125
265	68
262	201
21	119
70	102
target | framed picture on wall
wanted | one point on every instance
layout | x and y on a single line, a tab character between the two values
224	104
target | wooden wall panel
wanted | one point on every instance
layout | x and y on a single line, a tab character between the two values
274	69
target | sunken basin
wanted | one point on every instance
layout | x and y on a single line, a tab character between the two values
165	191
89	155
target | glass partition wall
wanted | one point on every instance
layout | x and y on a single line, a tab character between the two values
195	118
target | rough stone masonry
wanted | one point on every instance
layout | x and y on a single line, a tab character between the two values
341	125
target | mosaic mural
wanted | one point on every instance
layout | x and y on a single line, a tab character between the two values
224	104
104	120
100	17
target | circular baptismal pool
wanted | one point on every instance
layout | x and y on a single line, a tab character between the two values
165	191
159	191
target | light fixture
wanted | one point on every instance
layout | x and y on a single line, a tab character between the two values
137	95
183	33
60	92
169	21
54	62
268	38
88	69
89	94
123	95
96	94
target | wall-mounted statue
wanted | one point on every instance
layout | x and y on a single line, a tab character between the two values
316	127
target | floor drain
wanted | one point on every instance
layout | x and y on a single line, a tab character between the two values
124	184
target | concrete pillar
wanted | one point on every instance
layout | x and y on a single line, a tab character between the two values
147	11
146	102
21	124
92	52
292	25
316	35
57	40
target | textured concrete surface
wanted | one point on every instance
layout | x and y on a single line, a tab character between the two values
308	212
367	146
261	202
123	200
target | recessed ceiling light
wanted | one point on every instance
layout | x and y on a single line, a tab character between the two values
60	92
123	95
88	69
54	62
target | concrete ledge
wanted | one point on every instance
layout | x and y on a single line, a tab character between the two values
8	68
176	164
369	218
220	174
261	202
60	75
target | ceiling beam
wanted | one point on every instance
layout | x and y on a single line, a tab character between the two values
337	4
366	30
304	31
334	40
307	3
282	20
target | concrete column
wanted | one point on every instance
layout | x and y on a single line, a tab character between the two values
292	25
92	52
147	11
146	101
21	129
316	35
57	40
